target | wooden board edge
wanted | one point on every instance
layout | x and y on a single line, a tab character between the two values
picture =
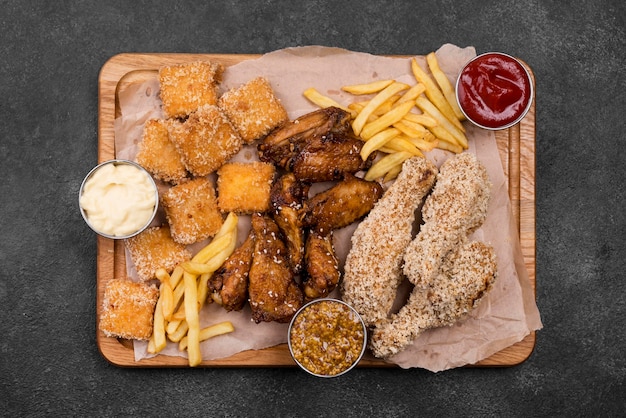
118	354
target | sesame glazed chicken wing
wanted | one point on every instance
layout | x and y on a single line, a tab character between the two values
273	292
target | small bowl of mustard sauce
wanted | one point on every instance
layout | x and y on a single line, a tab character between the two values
327	337
118	199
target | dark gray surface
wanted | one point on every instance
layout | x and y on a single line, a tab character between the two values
51	55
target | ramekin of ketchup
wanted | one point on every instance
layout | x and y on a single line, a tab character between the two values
494	91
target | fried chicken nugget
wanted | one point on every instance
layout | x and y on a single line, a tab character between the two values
191	211
127	309
158	154
205	141
253	108
154	248
186	87
244	188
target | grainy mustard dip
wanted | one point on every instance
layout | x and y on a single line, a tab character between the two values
327	337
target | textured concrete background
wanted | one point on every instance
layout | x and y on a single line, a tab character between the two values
51	53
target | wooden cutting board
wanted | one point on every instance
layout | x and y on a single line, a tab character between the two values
517	151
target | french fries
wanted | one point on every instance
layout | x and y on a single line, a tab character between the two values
184	292
444	85
388	92
369	88
403	120
435	95
209	332
385	164
394	115
324	101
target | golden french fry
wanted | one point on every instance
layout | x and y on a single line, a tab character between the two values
394	115
229	225
203	289
320	100
176	275
151	349
445	145
382	166
412	94
179	331
377	141
427	107
444	84
210	332
192	319
167	300
166	295
385	107
368	88
422	119
179	315
393	173
158	326
410	129
198	268
179	292
434	95
423	144
358	106
372	105
162	275
217	245
399	143
443	135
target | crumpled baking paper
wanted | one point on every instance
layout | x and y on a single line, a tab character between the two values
505	316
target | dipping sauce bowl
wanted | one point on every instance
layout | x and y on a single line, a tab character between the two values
327	337
118	199
494	91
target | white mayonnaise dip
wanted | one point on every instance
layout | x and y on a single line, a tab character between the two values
118	199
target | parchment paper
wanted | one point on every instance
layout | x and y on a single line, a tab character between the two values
505	316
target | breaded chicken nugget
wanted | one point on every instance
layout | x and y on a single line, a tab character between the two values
154	248
127	309
253	108
245	187
186	87
191	211
158	155
205	141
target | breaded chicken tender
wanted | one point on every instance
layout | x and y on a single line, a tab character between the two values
186	87
127	309
253	108
456	207
463	279
153	249
450	275
373	265
244	188
191	211
205	141
158	155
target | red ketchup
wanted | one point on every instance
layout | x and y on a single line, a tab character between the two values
494	91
